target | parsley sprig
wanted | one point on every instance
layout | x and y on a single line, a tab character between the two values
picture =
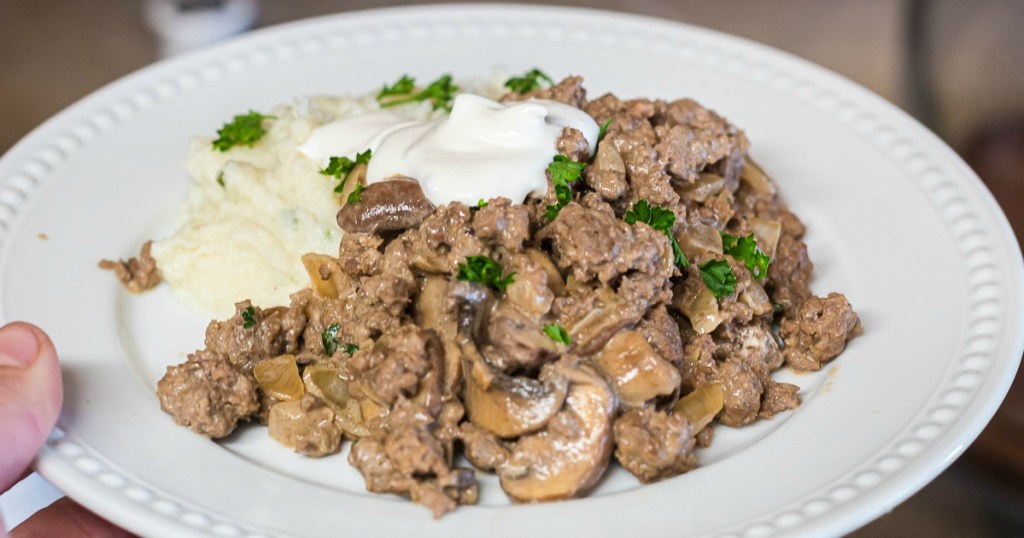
440	93
329	336
603	130
718	276
660	219
356	195
529	81
341	167
563	172
484	270
249	317
242	130
745	250
557	333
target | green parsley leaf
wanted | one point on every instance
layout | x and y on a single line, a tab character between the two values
242	130
717	275
528	82
341	167
440	92
604	130
481	204
745	250
249	317
557	333
563	172
484	270
356	195
403	86
660	219
777	308
329	336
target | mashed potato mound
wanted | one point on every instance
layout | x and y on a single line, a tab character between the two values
253	212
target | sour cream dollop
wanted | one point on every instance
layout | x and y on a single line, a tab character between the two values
484	149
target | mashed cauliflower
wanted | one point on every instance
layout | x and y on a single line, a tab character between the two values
253	212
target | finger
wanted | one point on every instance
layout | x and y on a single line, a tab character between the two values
66	518
30	396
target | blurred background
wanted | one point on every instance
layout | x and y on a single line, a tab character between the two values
956	65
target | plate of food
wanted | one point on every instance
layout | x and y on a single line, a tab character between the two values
477	268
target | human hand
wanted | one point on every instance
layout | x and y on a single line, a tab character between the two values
30	400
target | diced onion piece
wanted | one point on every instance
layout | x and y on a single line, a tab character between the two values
700	406
755	177
279	378
707	185
756	298
700	307
699	239
767	234
325	383
351	420
323	284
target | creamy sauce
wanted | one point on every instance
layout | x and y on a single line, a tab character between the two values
482	150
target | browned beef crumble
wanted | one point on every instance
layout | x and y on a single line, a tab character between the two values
431	366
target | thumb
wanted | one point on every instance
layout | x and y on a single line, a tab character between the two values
30	396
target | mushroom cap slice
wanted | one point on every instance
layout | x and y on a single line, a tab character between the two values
567	458
510	406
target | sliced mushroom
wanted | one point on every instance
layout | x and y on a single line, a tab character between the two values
325	275
395	204
635	370
699	239
510	406
567	458
707	185
607	174
555	280
435	310
610	316
695	300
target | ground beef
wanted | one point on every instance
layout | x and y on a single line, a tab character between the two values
500	223
654	445
569	91
138	274
253	335
789	274
594	245
691	137
662	332
817	331
778	397
396	364
573	145
517	342
482	448
207	394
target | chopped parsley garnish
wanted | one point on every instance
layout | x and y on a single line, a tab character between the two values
331	343
563	172
557	333
220	178
604	130
528	82
745	250
403	86
777	308
481	203
717	275
242	130
356	195
484	270
341	167
249	317
660	219
440	92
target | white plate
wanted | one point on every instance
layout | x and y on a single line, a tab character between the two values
896	221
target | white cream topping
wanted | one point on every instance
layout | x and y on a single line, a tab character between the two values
482	150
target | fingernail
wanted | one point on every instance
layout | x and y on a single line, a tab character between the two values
18	345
